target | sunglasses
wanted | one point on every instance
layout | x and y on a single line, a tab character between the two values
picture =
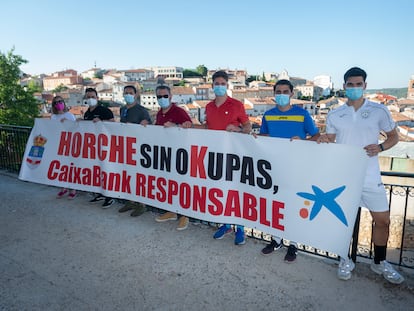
162	96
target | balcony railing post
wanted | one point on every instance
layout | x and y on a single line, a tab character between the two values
354	246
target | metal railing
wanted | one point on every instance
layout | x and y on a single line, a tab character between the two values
13	141
400	250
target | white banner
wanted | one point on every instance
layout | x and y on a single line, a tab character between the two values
297	190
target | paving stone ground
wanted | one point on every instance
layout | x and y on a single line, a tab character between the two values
59	254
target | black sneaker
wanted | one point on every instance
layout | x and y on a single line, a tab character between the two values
270	248
97	198
291	254
108	202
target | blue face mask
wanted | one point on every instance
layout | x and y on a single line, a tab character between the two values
163	102
282	100
354	93
220	90
129	99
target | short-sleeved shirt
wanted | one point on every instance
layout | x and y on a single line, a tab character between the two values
175	115
361	128
66	115
287	124
100	112
134	114
230	112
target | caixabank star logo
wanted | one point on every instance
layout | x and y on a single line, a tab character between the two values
322	199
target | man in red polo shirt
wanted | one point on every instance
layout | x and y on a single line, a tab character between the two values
171	115
226	114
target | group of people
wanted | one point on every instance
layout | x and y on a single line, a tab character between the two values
359	122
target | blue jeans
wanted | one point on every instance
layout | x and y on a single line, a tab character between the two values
237	227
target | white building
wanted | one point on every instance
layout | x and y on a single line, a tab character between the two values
257	84
204	92
410	91
308	105
72	97
284	75
113	76
260	105
138	74
149	101
325	83
90	73
407	131
271	76
236	76
308	90
106	95
167	72
182	95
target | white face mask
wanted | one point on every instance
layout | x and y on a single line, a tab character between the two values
91	102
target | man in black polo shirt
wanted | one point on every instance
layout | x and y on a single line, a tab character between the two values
97	113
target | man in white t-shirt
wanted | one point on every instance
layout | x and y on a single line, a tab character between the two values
360	122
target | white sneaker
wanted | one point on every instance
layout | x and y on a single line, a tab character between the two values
345	268
388	271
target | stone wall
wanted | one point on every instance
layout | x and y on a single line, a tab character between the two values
395	237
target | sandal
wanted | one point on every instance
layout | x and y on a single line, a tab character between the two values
72	195
61	193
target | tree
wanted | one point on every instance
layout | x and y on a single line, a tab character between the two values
34	87
202	70
189	73
252	78
98	74
17	105
60	88
181	83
